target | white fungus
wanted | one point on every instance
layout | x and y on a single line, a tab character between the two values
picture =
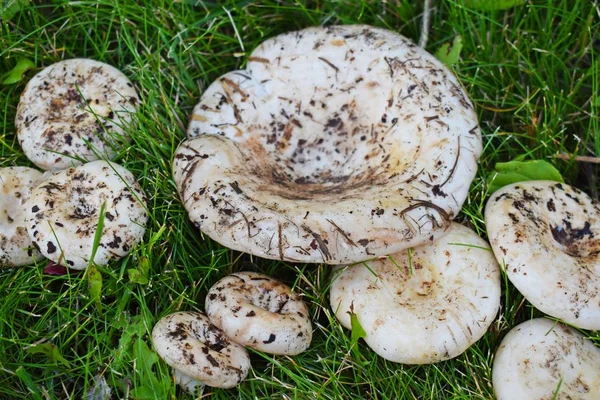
334	145
541	359
199	352
74	110
424	305
548	236
16	184
63	213
258	311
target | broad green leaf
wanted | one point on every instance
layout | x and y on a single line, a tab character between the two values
519	171
149	386
450	53
8	8
51	351
489	5
95	286
134	328
357	333
16	74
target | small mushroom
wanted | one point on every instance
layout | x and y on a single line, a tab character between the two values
541	359
199	352
423	305
335	145
548	236
16	248
74	110
258	311
63	213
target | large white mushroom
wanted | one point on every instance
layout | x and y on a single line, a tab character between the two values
541	359
547	234
258	311
424	305
199	352
63	213
16	248
334	145
74	110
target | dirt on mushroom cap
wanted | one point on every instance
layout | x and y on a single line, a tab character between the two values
189	343
547	235
426	306
74	109
63	213
16	184
258	311
335	145
540	359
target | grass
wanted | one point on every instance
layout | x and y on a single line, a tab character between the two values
532	72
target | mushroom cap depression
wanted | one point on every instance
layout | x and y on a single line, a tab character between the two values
63	213
425	306
73	110
548	235
16	248
190	344
258	311
334	145
540	356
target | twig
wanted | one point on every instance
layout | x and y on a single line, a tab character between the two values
586	159
425	24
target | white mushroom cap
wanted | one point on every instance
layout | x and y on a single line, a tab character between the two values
335	145
16	184
540	359
258	311
73	110
63	213
195	348
548	235
423	307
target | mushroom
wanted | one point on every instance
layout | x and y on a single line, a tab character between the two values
199	352
258	311
542	359
547	234
336	144
16	184
63	213
423	305
73	111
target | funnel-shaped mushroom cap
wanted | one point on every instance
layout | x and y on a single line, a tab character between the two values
424	306
335	145
540	359
548	235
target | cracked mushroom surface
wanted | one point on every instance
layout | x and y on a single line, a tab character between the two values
74	110
16	184
258	311
548	236
425	306
199	352
541	359
62	214
334	145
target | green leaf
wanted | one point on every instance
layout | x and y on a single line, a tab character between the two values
357	333
8	8
151	387
449	54
134	328
28	381
518	171
140	275
95	286
98	233
16	74
489	5
51	351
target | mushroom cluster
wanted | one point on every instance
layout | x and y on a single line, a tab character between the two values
242	309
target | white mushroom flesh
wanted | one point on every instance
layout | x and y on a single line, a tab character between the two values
335	145
426	305
74	110
199	351
547	234
16	248
260	312
63	213
541	359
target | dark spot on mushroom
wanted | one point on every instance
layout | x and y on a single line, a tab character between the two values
213	361
271	339
550	205
251	314
51	248
35	209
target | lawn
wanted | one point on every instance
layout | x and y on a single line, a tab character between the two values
532	72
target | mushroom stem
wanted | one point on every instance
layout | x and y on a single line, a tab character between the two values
189	384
